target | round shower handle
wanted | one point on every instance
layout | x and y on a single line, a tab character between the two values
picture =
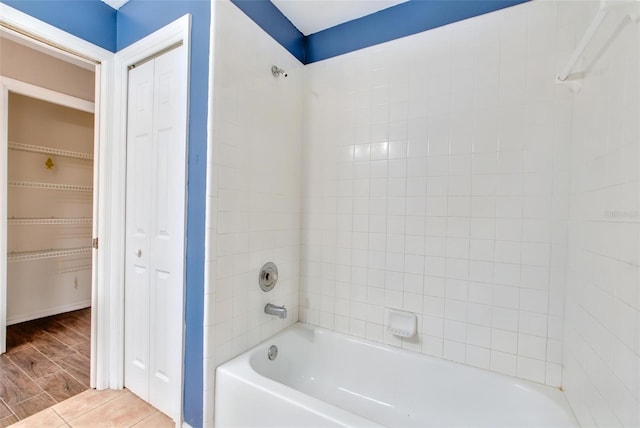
268	276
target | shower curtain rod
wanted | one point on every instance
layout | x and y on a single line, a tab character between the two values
584	42
605	8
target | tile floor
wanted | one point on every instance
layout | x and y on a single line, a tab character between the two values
99	409
47	362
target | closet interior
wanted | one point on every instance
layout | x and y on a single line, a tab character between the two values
49	209
50	177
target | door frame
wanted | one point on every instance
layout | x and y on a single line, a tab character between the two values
177	32
50	37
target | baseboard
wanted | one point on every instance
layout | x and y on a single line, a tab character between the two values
48	312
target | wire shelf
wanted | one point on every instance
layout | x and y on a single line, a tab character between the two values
51	186
24	256
49	150
38	221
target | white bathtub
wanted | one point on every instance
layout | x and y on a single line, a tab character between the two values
321	378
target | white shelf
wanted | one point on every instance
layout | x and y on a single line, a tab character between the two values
50	186
49	150
24	256
37	221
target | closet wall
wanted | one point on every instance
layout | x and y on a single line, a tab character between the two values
49	197
31	66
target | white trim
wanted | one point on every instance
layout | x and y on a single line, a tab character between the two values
176	32
48	95
4	155
60	309
100	362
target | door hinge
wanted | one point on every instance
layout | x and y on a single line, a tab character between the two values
94	243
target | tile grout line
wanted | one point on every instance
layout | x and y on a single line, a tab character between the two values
126	391
70	374
70	347
73	329
145	418
10	409
57	365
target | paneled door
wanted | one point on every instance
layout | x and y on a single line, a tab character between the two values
155	229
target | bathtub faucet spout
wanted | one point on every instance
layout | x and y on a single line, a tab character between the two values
279	311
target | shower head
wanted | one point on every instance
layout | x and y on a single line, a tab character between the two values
277	72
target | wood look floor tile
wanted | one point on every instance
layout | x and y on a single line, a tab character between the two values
5	360
78	322
51	353
20	336
64	334
60	385
33	363
156	420
85	401
77	366
84	348
4	411
52	347
45	418
9	420
124	411
15	386
32	405
84	314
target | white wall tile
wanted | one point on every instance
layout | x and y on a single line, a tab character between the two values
254	216
460	177
444	193
599	354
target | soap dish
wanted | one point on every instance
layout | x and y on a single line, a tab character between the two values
401	323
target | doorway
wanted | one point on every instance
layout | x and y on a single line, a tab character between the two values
108	293
48	199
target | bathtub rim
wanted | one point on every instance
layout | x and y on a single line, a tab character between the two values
285	392
554	395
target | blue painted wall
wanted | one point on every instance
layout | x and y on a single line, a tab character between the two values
94	21
270	19
91	20
137	19
404	19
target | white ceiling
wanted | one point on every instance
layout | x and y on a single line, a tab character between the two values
116	4
311	16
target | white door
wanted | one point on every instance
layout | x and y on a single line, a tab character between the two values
155	230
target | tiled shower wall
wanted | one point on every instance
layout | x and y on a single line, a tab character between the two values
436	181
601	346
440	174
254	189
